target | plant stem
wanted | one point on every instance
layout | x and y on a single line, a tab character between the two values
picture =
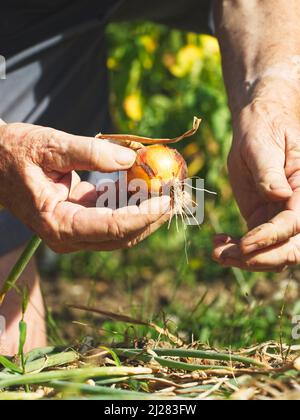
185	353
169	363
19	267
71	375
110	393
20	396
208	355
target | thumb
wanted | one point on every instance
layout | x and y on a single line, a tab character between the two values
90	154
268	171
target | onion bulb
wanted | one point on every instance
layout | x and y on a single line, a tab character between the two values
160	167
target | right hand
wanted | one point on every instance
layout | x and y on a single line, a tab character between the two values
264	167
39	185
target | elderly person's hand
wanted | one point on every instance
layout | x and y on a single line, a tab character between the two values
261	62
40	186
264	169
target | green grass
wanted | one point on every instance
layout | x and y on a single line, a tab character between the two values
151	374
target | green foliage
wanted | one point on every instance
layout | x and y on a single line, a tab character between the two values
10	366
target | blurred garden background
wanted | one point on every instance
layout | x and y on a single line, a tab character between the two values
160	79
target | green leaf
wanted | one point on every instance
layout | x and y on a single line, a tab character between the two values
23	336
10	365
25	299
113	355
20	266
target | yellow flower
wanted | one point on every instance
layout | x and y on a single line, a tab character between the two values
148	63
196	264
188	58
112	63
133	107
149	43
210	45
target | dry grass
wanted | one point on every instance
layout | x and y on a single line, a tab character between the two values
159	370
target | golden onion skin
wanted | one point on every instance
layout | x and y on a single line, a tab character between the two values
159	166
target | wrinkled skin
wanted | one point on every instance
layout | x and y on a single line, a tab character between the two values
261	62
268	193
40	186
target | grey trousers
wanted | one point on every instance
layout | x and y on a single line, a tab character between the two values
45	83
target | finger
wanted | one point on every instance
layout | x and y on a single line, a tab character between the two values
84	194
78	224
268	171
126	244
223	243
75	180
254	268
281	228
70	152
221	239
275	258
156	206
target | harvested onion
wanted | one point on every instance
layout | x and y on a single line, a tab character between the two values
160	167
162	170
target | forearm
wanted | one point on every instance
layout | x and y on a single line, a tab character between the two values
260	44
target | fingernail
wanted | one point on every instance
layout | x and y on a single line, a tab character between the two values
281	191
222	239
125	157
276	187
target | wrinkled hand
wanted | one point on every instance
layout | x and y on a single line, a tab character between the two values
40	186
264	168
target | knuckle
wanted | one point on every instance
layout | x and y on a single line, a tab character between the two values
69	226
19	137
36	140
50	230
293	222
274	235
293	256
93	153
115	230
293	146
48	146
